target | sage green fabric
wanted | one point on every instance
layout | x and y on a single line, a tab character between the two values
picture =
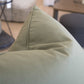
41	32
44	53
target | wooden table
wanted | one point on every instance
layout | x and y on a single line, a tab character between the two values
68	6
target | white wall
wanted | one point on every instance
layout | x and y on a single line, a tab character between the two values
48	2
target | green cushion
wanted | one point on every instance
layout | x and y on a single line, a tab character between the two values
44	53
41	32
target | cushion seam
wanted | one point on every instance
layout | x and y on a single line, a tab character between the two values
28	40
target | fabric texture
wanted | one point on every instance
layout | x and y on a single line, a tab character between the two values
44	53
19	10
0	28
74	24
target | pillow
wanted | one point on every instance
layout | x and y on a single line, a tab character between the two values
44	53
41	31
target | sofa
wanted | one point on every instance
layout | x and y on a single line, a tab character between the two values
43	53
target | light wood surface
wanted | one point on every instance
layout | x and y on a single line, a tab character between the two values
69	5
48	10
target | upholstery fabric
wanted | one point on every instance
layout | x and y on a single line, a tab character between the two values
44	53
19	10
74	24
0	28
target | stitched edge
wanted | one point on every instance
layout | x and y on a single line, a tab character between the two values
28	39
